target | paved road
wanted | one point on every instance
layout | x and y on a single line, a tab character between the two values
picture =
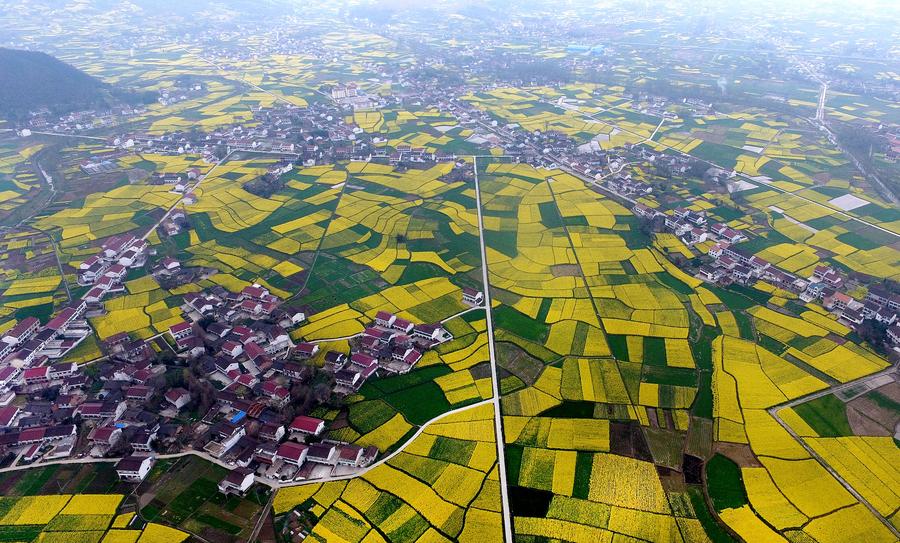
590	181
823	125
92	460
93	138
831	390
263	515
330	339
747	50
86	460
312	265
655	130
820	110
774	410
194	187
59	266
40	172
363	471
495	380
254	86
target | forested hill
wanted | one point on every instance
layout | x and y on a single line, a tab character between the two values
30	80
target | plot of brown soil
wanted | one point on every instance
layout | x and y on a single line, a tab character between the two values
870	417
516	361
627	439
710	136
862	425
78	188
267	533
740	453
891	390
652	416
565	270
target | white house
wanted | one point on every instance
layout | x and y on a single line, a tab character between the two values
237	481
134	468
472	296
178	397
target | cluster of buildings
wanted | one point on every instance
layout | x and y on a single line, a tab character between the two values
281	451
178	181
125	407
244	355
315	134
624	185
245	368
825	285
252	302
105	271
733	264
350	95
63	404
81	121
28	344
693	227
390	346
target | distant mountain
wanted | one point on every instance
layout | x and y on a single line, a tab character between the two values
31	80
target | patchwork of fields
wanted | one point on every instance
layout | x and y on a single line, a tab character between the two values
352	168
609	402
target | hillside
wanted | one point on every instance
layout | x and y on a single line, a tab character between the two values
31	80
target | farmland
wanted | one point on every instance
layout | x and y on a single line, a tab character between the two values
83	498
183	494
82	517
444	483
357	272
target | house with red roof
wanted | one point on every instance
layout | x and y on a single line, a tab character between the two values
350	455
8	415
292	453
139	393
403	325
116	271
61	321
134	468
178	397
254	351
306	350
238	481
182	330
21	332
383	318
412	357
169	264
254	292
472	296
322	453
363	360
277	394
106	436
90	261
716	250
35	376
304	424
10	376
95	295
232	348
253	307
247	380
